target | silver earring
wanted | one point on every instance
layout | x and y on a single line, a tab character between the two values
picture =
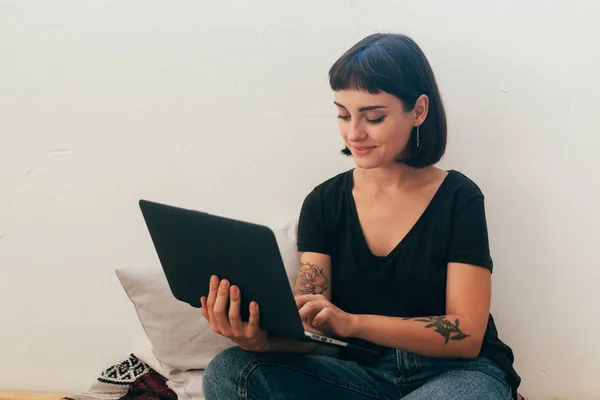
418	136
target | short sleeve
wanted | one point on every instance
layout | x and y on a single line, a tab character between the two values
312	235
469	242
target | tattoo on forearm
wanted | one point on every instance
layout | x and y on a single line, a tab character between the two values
443	326
310	279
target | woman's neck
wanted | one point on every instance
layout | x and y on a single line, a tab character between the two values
390	178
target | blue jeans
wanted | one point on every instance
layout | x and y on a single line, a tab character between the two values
397	374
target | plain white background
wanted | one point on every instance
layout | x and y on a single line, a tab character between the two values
225	107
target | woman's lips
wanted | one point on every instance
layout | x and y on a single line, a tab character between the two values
361	151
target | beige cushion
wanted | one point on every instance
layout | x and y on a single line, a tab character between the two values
188	385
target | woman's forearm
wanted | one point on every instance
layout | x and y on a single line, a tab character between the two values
438	336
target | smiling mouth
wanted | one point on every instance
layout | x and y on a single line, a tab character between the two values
362	150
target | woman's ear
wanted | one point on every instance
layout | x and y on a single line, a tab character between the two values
420	109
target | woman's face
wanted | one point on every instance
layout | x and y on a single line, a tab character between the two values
375	127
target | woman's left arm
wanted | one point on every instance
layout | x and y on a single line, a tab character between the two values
459	333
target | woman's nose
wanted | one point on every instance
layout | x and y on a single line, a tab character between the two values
356	133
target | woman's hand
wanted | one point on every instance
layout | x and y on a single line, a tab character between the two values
247	335
318	312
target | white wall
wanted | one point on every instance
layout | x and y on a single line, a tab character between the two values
224	106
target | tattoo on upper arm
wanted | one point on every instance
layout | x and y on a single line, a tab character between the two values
310	279
443	326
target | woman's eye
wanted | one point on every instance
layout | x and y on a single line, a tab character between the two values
344	117
376	121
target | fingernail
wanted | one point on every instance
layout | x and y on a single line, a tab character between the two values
224	284
213	279
254	306
234	290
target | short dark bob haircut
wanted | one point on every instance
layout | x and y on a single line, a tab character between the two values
395	64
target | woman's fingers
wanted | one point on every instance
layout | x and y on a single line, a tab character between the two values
322	317
253	321
306	298
204	308
235	319
210	302
309	310
220	309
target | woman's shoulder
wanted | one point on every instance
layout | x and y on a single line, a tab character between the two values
462	185
334	185
330	191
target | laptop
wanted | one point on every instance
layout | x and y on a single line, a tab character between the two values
192	246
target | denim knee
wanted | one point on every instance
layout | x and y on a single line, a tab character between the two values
221	376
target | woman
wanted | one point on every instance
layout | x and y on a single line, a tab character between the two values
394	253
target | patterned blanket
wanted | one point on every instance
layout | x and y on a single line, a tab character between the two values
131	379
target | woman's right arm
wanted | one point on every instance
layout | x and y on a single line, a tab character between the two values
313	277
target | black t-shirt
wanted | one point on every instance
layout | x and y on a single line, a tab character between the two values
411	280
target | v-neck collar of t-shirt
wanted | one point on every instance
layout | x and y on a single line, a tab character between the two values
356	220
